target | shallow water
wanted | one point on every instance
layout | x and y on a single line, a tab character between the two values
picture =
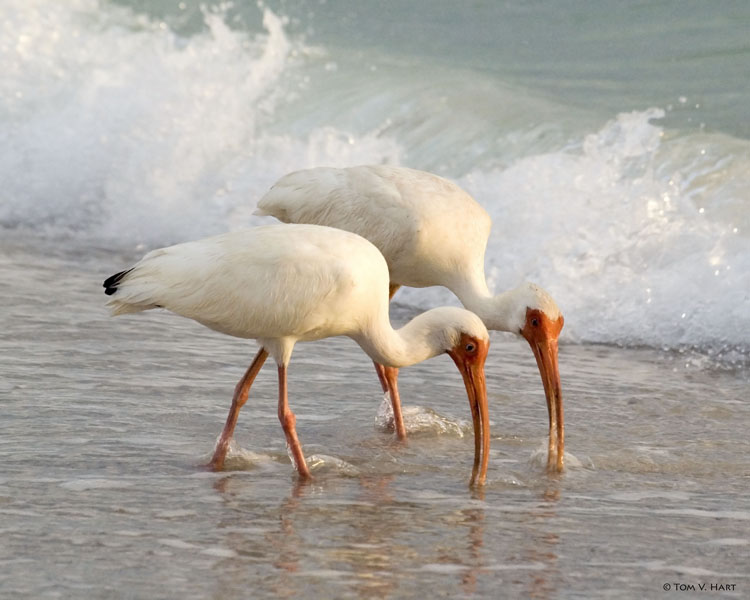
106	423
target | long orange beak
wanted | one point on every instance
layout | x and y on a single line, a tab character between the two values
471	366
546	360
542	337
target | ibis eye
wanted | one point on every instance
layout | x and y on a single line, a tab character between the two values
470	347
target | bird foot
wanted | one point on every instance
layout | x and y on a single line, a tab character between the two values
213	465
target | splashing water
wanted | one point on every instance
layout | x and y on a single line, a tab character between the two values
538	459
146	136
618	227
420	420
241	459
321	463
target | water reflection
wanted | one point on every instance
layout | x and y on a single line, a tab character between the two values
285	544
370	542
370	548
541	546
474	519
259	536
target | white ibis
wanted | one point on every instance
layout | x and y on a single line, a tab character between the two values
431	232
281	284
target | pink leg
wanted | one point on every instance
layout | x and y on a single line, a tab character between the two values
388	377
288	421
380	370
389	382
238	401
391	375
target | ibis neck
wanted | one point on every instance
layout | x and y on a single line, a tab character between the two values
495	311
414	342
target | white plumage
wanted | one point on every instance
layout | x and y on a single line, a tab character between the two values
281	284
431	232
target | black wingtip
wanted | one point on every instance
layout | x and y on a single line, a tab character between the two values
110	283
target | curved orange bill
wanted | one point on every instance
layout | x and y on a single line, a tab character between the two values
471	366
542	334
546	359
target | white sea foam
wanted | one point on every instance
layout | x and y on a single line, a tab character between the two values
635	240
126	132
641	239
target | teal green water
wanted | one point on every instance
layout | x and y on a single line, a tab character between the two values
600	58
